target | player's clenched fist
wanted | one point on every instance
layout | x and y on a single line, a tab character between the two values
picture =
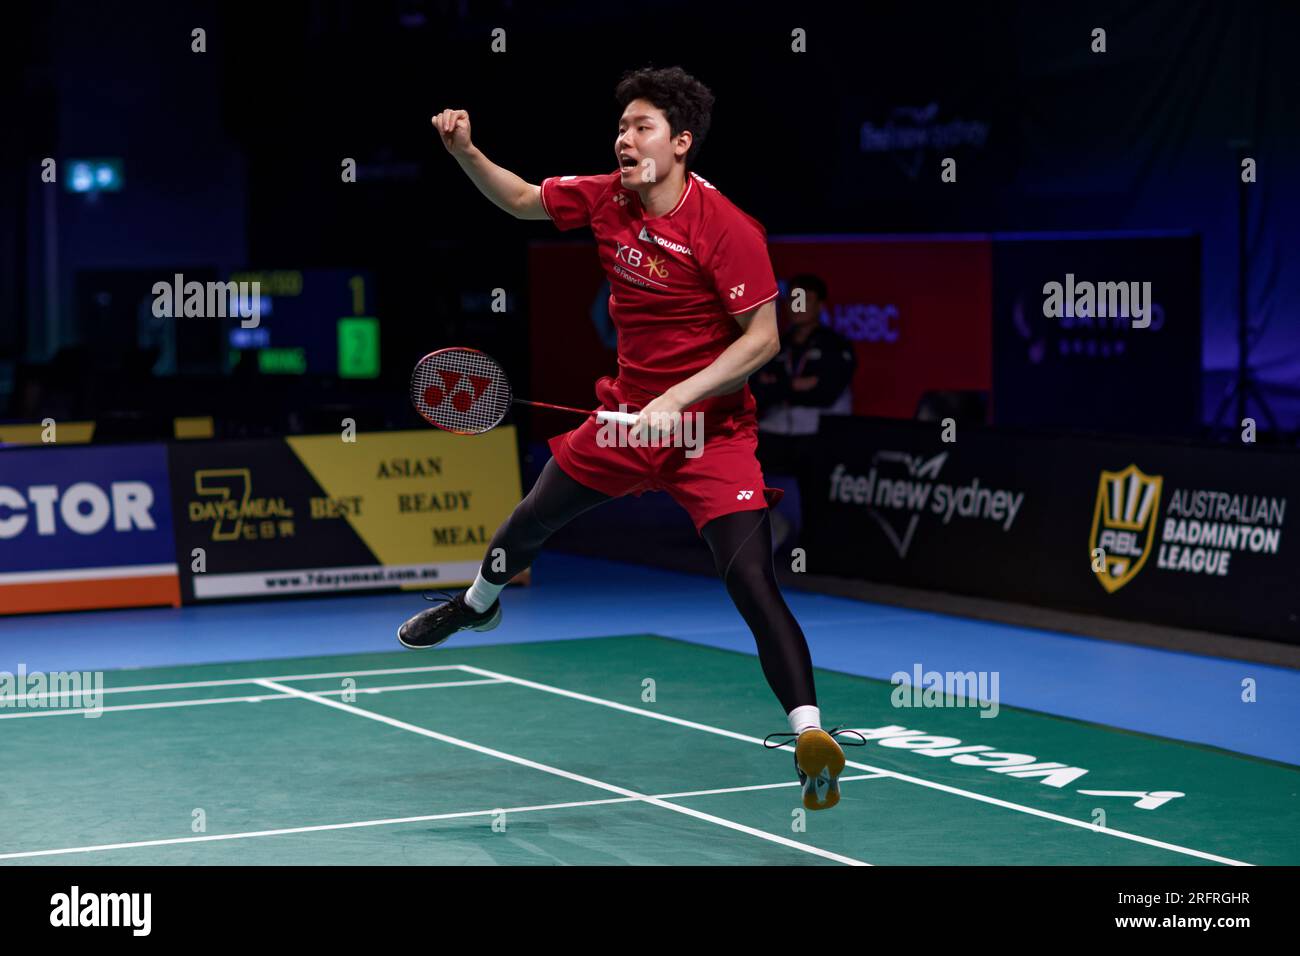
453	127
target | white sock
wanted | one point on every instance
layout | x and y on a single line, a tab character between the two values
804	718
482	593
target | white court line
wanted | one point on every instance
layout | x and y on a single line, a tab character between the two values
906	778
459	814
235	681
566	774
246	699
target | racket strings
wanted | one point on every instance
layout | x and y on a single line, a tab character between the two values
460	390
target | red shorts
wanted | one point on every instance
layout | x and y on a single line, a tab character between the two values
724	477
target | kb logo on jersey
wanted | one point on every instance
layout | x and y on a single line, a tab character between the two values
629	254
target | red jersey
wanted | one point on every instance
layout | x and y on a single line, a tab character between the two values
676	280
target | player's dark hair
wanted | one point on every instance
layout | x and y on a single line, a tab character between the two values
685	101
809	283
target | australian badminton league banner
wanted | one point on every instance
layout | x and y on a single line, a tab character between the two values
317	513
85	527
1175	534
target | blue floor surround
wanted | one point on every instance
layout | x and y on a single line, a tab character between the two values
1182	696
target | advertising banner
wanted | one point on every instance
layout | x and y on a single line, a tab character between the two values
311	514
85	527
1182	535
1122	351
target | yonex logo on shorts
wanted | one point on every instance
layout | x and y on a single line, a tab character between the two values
744	495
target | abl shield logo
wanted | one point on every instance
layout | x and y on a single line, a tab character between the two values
1123	524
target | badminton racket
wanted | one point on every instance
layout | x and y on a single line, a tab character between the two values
465	391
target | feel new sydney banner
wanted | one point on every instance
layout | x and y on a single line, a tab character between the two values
312	514
1183	535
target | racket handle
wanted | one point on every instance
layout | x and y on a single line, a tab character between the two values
624	418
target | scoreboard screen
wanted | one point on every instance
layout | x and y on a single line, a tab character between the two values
311	322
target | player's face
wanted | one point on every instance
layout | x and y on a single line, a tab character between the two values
644	146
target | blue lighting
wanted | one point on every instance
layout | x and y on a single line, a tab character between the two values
95	175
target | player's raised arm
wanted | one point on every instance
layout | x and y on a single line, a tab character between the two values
521	199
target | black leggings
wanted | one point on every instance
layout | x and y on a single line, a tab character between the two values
742	553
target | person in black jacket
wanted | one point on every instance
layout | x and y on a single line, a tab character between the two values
810	377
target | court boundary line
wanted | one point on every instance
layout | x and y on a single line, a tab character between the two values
245	699
397	821
235	681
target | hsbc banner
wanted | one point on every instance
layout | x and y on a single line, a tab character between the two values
316	513
917	311
1181	535
85	527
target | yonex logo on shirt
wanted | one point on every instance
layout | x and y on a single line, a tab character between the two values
744	495
737	291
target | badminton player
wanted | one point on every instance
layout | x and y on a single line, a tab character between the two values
692	295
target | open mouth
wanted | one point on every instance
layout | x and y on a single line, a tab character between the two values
627	162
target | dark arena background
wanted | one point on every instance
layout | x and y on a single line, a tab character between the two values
1034	428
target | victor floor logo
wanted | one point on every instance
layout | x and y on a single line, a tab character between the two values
1123	525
